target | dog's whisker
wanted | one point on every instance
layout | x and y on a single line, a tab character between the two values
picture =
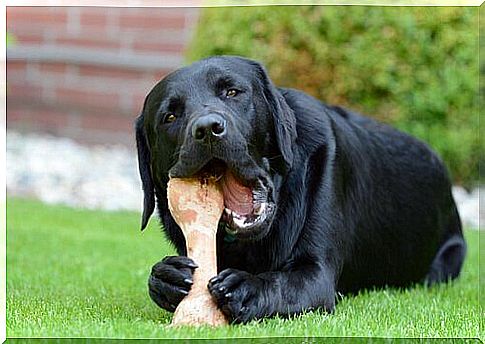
275	157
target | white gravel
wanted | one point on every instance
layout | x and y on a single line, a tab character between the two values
59	170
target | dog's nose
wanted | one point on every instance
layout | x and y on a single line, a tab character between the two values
212	125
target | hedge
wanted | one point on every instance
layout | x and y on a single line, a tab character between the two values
413	67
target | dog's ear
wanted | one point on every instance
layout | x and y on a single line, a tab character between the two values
144	166
282	116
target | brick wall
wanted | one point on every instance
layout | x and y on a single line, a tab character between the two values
83	72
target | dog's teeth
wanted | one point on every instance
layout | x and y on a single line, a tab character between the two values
228	211
240	221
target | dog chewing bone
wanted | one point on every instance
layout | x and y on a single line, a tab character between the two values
196	205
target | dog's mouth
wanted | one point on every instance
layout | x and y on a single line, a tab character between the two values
246	204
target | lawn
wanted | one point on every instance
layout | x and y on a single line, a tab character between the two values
83	273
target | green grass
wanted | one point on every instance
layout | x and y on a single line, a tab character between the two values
81	273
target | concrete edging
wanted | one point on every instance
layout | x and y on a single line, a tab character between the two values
88	57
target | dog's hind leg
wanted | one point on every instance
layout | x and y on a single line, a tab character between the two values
448	261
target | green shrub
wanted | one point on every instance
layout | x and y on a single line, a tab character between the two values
413	67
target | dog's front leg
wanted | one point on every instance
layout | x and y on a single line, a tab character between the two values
243	296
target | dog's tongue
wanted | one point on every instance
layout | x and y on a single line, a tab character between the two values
237	197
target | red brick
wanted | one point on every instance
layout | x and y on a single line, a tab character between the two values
159	36
99	17
58	68
137	101
18	118
37	118
111	122
51	118
32	15
88	42
159	75
158	47
28	37
16	65
107	72
87	99
152	21
16	72
15	115
23	91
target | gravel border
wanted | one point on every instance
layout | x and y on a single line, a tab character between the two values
59	170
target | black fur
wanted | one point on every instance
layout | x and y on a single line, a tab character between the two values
358	204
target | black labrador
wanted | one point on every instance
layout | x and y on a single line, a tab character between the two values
319	199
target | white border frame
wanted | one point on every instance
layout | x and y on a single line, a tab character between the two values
141	3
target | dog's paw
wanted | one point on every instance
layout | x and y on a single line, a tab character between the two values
170	281
237	294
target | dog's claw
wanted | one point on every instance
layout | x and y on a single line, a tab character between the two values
213	280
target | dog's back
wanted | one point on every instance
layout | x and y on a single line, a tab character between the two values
412	228
397	208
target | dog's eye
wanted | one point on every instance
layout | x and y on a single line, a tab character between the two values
231	93
169	118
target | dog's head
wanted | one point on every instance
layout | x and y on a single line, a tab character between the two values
220	116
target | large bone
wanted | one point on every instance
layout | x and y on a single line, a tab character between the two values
197	205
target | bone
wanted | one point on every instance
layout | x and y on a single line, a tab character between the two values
197	205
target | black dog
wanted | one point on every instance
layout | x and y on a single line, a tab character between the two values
318	199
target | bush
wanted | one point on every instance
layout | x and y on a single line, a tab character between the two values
415	68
